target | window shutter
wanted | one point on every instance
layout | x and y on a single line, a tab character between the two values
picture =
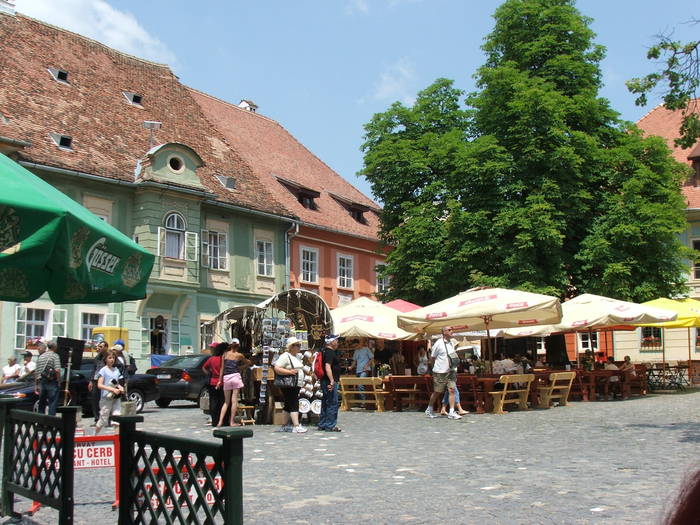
223	251
191	246
145	335
20	327
58	323
205	248
160	248
111	319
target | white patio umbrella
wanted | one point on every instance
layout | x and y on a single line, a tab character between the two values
589	312
366	318
484	309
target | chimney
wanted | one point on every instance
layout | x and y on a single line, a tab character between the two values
7	6
248	105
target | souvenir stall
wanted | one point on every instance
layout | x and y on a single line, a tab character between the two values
263	330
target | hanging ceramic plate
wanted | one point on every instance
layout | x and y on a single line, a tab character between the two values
304	405
315	406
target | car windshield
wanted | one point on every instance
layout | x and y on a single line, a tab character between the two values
186	361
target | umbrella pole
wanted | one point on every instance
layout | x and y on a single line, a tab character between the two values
489	353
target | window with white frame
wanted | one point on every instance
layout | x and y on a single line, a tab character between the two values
696	265
651	339
88	321
309	264
37	322
214	250
540	345
345	271
174	242
383	281
33	323
175	336
263	251
588	341
174	236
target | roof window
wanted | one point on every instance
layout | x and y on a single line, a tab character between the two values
227	182
62	141
60	75
355	209
133	98
306	196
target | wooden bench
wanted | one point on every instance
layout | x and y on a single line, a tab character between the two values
558	388
415	388
517	384
372	393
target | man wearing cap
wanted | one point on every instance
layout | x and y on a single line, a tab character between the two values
443	375
328	418
28	366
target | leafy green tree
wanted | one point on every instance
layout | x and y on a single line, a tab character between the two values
678	79
533	187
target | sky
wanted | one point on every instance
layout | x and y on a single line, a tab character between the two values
323	68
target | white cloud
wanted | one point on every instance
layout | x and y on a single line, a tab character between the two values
396	83
100	21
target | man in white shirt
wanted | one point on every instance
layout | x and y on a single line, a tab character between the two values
10	373
28	366
443	377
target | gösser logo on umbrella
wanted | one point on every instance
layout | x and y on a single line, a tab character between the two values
50	243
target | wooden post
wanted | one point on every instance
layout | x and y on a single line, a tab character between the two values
127	428
68	422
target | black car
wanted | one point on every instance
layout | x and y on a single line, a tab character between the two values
182	378
141	388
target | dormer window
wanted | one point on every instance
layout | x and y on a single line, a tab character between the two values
355	209
305	196
59	75
62	141
176	164
227	182
133	98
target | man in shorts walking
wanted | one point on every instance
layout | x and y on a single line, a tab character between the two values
443	376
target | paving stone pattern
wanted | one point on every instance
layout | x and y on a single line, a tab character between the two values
617	462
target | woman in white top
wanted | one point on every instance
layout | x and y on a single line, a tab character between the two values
421	362
108	382
289	364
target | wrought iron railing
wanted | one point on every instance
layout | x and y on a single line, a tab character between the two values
165	479
38	458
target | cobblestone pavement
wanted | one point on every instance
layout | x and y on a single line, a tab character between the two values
612	462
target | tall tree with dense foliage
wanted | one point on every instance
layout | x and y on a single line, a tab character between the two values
538	186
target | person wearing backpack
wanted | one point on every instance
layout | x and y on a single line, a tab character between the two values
46	377
328	418
445	361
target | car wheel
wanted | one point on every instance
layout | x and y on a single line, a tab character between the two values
204	399
163	402
137	397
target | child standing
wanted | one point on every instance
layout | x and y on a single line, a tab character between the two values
108	383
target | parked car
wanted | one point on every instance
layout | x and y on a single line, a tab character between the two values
182	378
141	388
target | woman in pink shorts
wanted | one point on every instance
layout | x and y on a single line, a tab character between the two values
230	378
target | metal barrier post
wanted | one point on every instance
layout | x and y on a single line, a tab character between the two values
7	500
68	421
127	427
232	442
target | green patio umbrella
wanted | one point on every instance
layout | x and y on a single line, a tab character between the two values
49	242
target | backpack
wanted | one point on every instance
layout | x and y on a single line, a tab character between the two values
319	370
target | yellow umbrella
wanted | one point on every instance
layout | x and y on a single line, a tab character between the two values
366	318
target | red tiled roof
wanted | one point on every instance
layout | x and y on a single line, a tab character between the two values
274	153
402	306
107	131
666	124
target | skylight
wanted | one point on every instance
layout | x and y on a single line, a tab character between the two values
59	75
227	182
133	98
64	142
